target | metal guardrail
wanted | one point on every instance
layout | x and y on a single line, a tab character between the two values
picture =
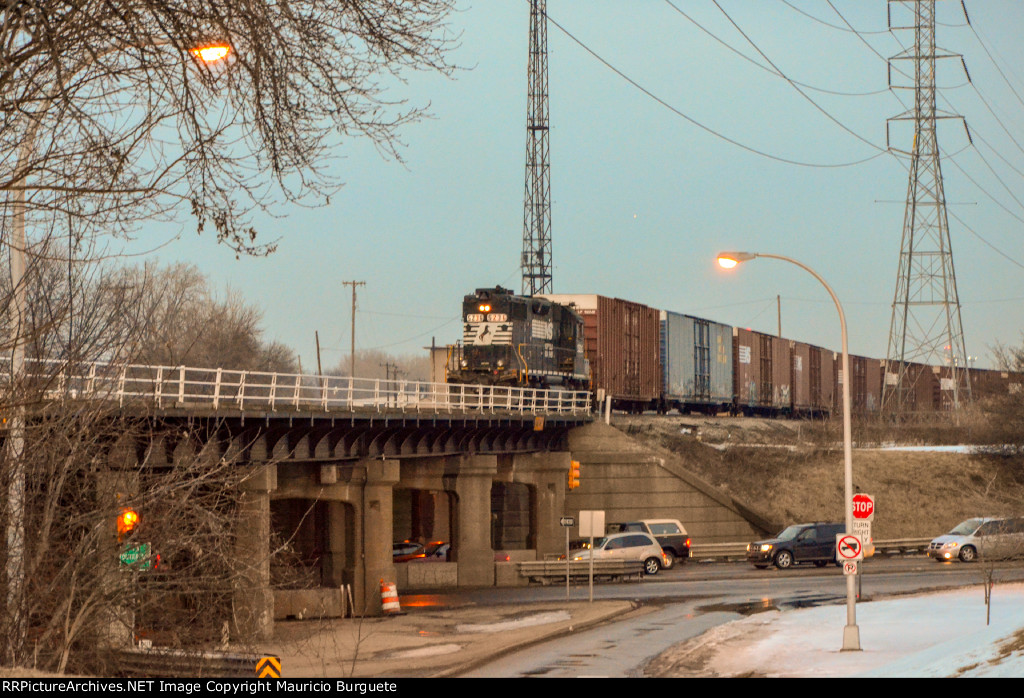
220	388
548	571
739	550
173	663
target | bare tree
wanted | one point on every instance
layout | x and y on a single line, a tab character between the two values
377	363
109	115
69	594
1009	358
184	323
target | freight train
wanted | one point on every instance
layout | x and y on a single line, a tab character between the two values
649	359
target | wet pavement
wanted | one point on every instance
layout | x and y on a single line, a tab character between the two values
429	641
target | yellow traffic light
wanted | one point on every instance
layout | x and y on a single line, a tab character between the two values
127	520
574	474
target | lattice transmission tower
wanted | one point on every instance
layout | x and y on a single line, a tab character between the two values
536	263
925	327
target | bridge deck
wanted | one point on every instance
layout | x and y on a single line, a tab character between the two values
226	389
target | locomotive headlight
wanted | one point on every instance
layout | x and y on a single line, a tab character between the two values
465	363
485	307
501	363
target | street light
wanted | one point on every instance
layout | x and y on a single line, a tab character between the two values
15	564
729	260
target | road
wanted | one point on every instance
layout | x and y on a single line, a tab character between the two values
679	604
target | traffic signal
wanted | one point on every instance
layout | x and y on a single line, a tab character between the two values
574	474
127	521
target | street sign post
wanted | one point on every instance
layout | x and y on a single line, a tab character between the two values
591	524
567	522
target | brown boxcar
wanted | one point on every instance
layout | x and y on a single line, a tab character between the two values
762	372
922	386
822	380
782	375
865	386
987	383
622	343
804	371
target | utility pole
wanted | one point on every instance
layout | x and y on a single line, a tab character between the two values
536	263
925	326
352	356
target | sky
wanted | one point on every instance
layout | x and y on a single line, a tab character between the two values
929	636
667	146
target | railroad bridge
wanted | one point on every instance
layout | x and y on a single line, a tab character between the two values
339	469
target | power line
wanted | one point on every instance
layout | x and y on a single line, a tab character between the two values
698	124
764	67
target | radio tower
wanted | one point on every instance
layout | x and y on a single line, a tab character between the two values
925	327
537	207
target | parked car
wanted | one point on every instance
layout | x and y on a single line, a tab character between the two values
809	542
670	534
986	536
437	551
627	546
405	551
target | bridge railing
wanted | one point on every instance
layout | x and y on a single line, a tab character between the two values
219	388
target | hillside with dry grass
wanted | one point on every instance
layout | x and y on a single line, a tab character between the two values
792	471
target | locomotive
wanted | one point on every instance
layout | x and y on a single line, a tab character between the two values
519	341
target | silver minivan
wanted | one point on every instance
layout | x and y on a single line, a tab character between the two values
985	536
641	547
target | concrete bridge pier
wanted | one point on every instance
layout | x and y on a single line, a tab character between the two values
375	534
472	544
253	602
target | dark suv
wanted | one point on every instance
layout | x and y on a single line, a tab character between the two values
809	542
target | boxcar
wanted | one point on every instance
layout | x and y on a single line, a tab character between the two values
987	383
822	384
762	373
801	377
622	344
865	388
696	364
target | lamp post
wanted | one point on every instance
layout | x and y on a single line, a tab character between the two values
729	260
15	564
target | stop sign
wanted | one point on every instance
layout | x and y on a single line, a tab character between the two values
863	506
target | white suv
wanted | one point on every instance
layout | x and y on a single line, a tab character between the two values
627	546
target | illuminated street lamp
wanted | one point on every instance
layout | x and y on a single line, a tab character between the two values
212	53
729	260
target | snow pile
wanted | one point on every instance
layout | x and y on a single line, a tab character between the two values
935	635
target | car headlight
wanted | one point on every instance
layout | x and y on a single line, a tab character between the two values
748	547
950	545
766	547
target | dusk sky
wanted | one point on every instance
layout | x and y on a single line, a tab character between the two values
670	142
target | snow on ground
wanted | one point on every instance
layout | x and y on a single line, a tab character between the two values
505	625
934	635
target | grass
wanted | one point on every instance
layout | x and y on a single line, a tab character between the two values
792	471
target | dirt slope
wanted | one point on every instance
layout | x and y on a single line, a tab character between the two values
791	471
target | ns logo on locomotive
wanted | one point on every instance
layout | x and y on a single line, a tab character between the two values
519	341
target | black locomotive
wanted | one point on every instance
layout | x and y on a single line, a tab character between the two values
519	341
